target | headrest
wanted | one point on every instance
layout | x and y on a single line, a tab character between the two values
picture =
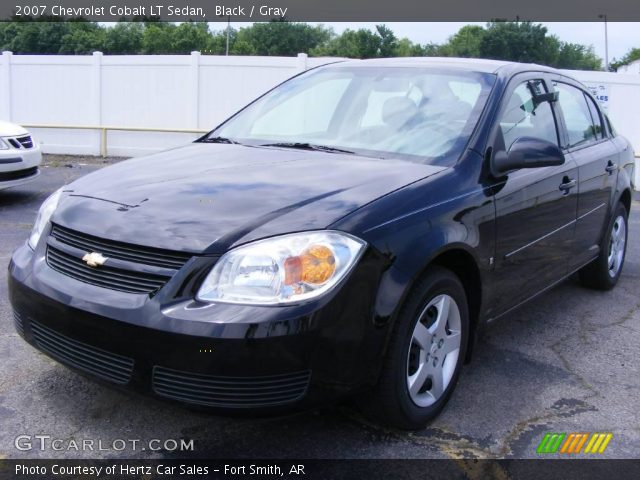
396	111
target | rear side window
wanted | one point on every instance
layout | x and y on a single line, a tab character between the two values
525	117
577	116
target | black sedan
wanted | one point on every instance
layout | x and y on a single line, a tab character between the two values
349	233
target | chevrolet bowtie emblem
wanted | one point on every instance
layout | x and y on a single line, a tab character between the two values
94	259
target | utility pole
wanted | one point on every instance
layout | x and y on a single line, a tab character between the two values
229	31
606	42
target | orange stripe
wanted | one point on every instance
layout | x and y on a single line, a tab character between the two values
567	442
584	439
575	442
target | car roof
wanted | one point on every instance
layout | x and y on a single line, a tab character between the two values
469	64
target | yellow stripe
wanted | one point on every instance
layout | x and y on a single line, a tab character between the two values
596	445
567	442
606	442
591	442
584	439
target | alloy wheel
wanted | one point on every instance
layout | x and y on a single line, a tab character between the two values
617	243
434	350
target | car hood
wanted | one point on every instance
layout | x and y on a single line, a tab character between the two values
11	130
209	197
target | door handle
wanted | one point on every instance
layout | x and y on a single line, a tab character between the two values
567	184
611	167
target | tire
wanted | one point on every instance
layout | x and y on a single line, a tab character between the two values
420	340
603	273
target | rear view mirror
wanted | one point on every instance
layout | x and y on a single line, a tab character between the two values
526	152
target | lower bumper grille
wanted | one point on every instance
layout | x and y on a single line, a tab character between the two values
17	322
230	392
18	174
98	362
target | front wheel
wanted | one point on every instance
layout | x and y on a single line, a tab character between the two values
426	352
603	273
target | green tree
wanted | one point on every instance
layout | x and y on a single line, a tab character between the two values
406	48
280	38
82	38
465	43
33	36
191	36
388	41
514	41
124	38
631	56
218	42
576	57
157	38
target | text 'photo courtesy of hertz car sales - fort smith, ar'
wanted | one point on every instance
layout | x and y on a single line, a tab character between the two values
348	234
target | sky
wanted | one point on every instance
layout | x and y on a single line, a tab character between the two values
622	35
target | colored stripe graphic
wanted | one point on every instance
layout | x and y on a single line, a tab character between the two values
551	442
572	443
598	443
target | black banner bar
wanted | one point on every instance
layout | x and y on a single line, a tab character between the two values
326	10
320	469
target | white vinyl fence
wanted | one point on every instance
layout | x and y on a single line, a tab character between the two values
182	95
166	92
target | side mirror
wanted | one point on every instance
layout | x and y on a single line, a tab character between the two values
526	152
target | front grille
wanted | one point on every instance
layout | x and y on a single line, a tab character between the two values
108	277
149	256
17	322
98	362
230	392
25	141
18	174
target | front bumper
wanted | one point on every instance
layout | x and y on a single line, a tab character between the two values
19	166
230	357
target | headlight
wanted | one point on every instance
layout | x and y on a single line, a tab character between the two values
44	215
280	270
3	145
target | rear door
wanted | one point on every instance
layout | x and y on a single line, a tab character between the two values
596	156
535	207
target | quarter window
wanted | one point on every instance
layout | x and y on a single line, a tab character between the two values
577	117
595	117
524	116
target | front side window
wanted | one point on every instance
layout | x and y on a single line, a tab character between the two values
422	114
525	116
577	117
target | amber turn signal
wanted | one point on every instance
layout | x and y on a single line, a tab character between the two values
315	265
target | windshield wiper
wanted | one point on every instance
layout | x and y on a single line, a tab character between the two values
306	146
219	140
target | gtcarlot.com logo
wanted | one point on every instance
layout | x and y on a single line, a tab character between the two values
573	443
47	442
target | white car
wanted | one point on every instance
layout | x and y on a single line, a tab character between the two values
20	156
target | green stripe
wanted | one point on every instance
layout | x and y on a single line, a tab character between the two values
543	443
547	448
555	447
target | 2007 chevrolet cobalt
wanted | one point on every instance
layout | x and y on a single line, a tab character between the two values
348	233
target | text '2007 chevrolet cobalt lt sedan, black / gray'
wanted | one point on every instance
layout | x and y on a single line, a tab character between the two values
349	233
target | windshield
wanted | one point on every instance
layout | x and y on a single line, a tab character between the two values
416	113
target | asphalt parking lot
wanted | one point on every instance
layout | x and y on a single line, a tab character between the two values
567	362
